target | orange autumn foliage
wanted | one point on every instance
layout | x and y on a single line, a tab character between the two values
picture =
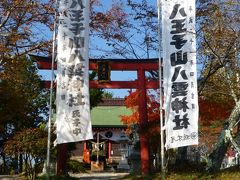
212	110
213	113
211	117
131	102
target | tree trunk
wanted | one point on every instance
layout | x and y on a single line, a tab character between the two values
220	149
218	153
20	163
4	164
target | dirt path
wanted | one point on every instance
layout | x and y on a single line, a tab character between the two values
100	175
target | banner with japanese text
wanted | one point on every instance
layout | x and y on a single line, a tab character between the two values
179	73
73	109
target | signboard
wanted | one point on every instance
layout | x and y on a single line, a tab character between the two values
73	110
179	72
103	71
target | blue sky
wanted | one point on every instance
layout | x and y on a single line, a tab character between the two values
115	75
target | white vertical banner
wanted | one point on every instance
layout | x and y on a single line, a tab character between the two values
73	108
180	75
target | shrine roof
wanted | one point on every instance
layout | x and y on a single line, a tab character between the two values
108	116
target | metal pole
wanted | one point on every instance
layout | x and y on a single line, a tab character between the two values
160	88
51	99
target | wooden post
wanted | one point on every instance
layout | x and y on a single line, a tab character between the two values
144	144
109	151
62	159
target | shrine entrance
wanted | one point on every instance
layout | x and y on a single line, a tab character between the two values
98	150
141	84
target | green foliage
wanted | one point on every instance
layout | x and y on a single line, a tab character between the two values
38	167
75	166
95	97
95	94
107	95
31	141
24	102
23	106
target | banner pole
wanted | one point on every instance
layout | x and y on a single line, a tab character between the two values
160	88
51	98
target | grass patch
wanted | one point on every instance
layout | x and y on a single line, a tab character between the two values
188	174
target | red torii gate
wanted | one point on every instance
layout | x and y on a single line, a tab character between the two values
141	84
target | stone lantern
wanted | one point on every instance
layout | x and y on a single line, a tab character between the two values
123	140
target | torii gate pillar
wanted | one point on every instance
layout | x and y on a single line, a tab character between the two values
62	159
144	144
